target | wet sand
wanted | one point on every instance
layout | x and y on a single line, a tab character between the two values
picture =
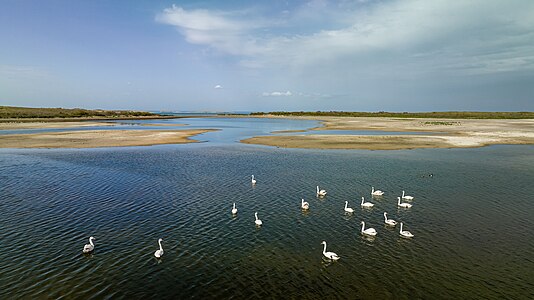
446	133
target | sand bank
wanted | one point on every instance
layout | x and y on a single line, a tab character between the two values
99	138
446	133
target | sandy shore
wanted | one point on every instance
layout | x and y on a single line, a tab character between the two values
99	138
443	133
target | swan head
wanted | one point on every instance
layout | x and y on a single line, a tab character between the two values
323	243
160	240
362	222
385	214
91	238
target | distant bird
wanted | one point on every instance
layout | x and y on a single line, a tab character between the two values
406	196
159	253
389	221
366	204
329	255
253	180
405	205
405	233
348	209
377	192
234	210
368	231
88	248
258	221
304	205
321	192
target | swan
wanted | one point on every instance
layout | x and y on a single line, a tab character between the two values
367	204
368	231
234	210
405	205
377	192
253	180
406	196
389	221
405	233
348	209
89	247
304	205
258	221
321	192
159	253
329	255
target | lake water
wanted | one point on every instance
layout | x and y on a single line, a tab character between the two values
472	221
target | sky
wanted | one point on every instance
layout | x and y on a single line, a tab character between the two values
365	55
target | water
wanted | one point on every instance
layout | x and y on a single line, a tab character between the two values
472	222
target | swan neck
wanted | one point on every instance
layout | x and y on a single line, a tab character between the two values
160	247
91	242
324	247
346	204
385	216
363	226
401	228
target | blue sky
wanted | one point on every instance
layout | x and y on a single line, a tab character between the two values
412	55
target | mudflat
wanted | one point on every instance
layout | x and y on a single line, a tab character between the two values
443	133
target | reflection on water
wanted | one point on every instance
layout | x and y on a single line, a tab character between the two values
51	201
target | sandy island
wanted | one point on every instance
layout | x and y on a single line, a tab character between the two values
442	133
99	138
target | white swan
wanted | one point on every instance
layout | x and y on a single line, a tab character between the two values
253	180
405	233
368	231
366	204
329	255
406	196
405	205
89	247
348	209
321	192
304	205
234	210
377	192
258	221
159	253
389	221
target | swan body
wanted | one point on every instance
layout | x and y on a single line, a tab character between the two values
321	192
406	196
348	209
368	231
234	210
304	205
366	204
253	180
389	221
159	252
405	205
405	233
377	192
258	221
329	255
89	247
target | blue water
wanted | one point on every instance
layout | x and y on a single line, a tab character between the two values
472	221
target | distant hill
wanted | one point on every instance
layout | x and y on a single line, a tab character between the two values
441	115
11	112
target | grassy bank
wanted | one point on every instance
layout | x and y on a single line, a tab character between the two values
440	115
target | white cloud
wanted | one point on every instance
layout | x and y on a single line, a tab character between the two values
218	86
276	94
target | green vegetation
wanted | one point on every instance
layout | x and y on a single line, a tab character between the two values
10	112
444	115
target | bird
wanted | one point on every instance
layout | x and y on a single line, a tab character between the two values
258	221
366	204
368	231
406	196
234	210
253	180
321	192
159	253
348	209
405	205
329	255
88	248
304	205
389	221
405	233
377	192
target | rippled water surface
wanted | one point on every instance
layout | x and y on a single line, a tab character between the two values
472	221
